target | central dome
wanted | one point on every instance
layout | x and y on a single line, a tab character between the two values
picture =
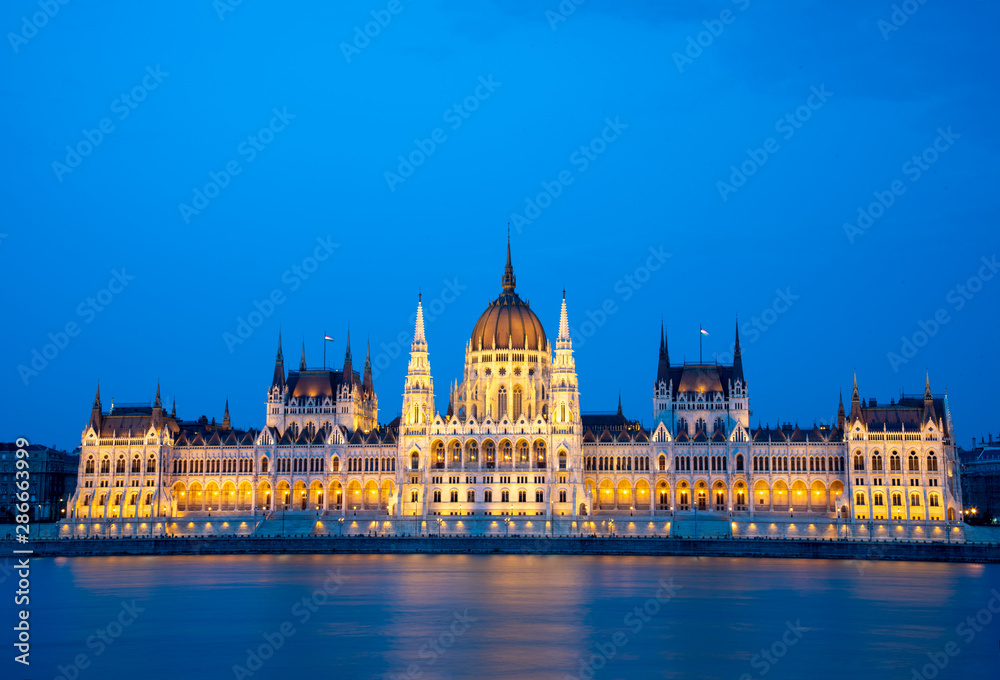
508	321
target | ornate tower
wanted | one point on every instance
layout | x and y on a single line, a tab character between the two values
564	398
418	393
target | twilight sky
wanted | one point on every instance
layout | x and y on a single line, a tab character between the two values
824	172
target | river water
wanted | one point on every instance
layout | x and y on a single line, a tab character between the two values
471	616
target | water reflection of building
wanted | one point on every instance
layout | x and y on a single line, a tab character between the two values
513	440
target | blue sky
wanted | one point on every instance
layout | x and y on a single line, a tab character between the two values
734	143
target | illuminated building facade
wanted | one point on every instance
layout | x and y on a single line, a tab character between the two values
513	441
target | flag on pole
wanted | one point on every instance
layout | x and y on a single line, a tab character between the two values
327	337
704	332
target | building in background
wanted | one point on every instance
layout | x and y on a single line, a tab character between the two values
513	440
52	481
981	481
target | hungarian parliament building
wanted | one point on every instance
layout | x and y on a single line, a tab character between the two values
513	440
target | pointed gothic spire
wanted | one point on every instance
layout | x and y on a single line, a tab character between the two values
348	361
302	362
96	414
367	385
225	416
278	379
663	366
855	402
419	341
737	355
563	322
930	413
508	281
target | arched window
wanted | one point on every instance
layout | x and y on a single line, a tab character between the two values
517	402
501	402
522	452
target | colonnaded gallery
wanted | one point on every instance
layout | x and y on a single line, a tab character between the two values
513	441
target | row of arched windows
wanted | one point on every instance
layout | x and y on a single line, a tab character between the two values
798	464
895	462
136	467
621	463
